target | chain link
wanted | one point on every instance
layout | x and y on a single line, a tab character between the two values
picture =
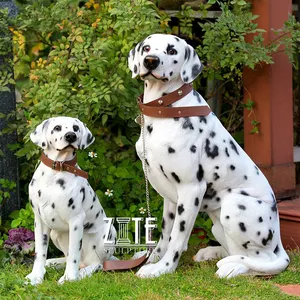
145	167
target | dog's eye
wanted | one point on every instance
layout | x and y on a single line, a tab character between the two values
75	128
146	49
57	128
172	52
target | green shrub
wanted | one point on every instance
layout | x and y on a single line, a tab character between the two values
82	72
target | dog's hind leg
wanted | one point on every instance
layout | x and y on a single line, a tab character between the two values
167	225
213	252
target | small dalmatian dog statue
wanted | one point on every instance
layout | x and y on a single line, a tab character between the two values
65	206
195	165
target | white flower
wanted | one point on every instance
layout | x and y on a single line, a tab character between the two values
92	154
109	193
142	210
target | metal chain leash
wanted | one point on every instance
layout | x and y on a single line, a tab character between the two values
145	167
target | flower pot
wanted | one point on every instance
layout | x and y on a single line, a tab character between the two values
289	213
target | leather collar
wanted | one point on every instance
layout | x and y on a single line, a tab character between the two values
67	166
159	108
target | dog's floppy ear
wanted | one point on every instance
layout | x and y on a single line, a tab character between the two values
39	135
192	66
86	138
133	60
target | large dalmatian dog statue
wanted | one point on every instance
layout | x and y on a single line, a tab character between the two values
65	206
195	165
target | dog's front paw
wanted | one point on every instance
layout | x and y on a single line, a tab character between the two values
155	270
210	253
34	278
68	277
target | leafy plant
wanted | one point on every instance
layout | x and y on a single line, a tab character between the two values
19	245
79	69
23	218
5	50
225	52
6	186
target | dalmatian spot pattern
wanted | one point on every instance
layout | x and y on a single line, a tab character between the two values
242	207
200	173
187	124
269	238
233	146
196	94
227	153
216	176
162	169
211	152
203	120
71	201
150	128
171	150
175	176
210	193
193	149
182	226
82	190
45	239
180	209
61	182
242	227
244	193
176	256
246	245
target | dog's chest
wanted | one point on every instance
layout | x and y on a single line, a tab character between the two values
59	196
166	144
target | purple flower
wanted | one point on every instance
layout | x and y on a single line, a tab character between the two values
19	237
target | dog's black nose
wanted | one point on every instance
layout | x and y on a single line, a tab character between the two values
151	62
70	137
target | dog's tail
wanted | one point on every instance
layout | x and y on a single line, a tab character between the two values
258	267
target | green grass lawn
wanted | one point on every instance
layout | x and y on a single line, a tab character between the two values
190	281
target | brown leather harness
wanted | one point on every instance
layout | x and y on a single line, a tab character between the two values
160	108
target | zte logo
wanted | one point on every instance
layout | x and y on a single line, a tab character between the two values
122	236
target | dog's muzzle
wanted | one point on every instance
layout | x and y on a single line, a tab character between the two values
151	62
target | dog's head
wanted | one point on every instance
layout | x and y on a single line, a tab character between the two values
62	134
164	57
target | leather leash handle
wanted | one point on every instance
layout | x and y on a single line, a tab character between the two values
123	265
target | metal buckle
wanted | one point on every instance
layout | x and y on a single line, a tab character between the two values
58	163
61	163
